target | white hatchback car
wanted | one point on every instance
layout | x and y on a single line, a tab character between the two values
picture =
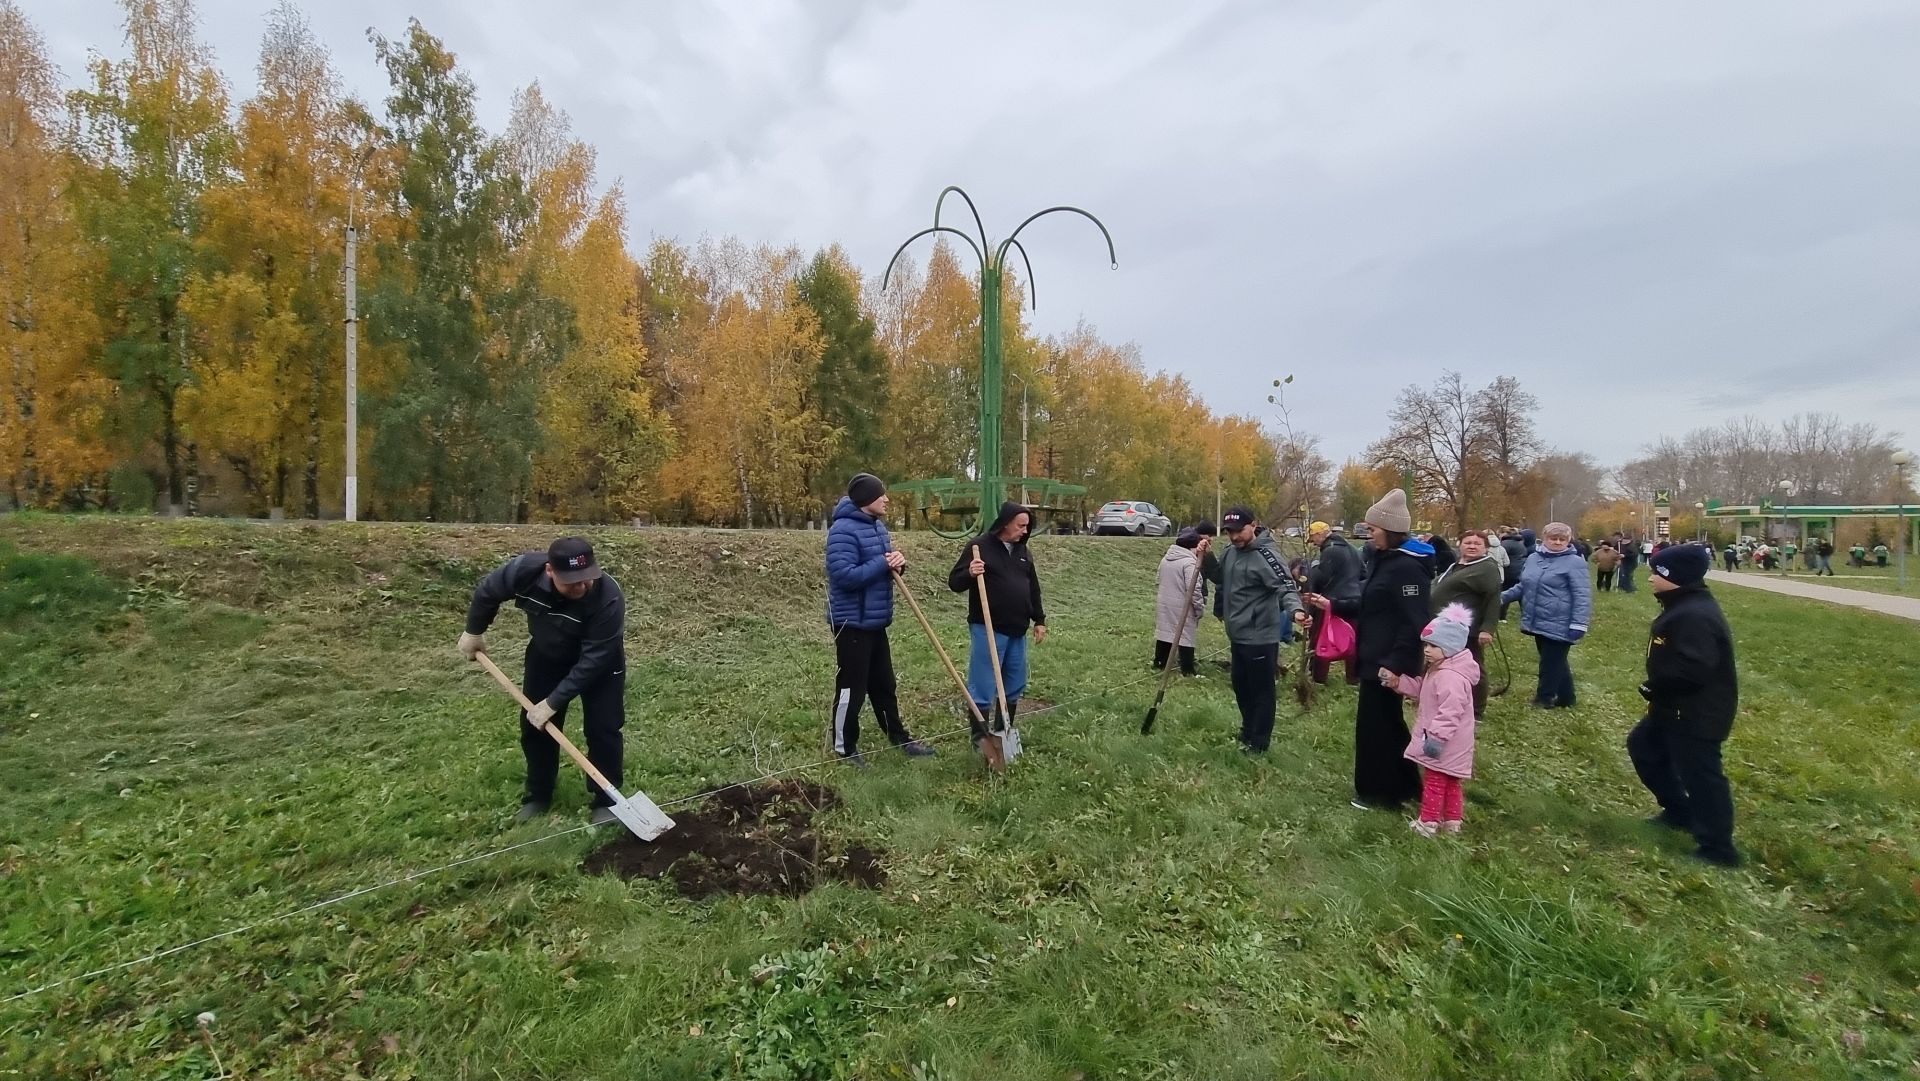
1131	517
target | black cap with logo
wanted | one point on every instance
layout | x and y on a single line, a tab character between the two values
1236	519
571	559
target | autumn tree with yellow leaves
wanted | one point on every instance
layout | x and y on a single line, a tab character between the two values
173	270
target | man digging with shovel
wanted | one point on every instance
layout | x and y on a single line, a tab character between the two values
999	558
577	618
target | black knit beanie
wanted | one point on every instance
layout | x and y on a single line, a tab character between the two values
864	488
1682	564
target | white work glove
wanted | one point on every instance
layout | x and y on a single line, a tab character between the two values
472	645
541	713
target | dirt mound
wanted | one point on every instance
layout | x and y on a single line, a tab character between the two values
747	839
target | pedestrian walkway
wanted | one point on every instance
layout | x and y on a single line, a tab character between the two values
1885	603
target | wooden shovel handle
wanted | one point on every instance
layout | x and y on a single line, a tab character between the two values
993	643
559	737
927	626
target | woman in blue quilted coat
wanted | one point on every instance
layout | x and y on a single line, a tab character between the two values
860	567
1556	604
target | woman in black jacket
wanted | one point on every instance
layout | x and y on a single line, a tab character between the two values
1387	616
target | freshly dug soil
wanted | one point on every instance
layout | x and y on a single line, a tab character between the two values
748	839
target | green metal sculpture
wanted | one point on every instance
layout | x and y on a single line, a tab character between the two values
974	502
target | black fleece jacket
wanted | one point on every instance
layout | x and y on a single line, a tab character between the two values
1388	614
1013	586
588	632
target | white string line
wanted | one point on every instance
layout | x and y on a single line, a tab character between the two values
414	875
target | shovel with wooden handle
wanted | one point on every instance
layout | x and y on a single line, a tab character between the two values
1179	632
994	758
636	812
1007	738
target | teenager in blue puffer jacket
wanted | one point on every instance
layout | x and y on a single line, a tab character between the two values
860	567
1556	600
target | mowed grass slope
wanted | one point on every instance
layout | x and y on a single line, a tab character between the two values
209	724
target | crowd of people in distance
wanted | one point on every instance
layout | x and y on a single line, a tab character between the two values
1409	616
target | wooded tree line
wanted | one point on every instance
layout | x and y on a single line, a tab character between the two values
173	272
1472	457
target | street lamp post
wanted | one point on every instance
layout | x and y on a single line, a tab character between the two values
1901	459
1023	436
1700	522
351	271
1786	492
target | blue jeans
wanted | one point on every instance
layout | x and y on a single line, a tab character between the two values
1013	668
1626	577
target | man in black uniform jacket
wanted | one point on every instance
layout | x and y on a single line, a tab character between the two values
577	617
1691	692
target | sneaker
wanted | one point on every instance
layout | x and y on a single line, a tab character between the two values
531	810
1424	828
915	748
601	816
1452	826
856	760
1358	806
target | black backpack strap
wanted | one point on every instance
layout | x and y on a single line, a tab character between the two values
1273	561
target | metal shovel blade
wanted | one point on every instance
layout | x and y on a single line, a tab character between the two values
1009	743
640	814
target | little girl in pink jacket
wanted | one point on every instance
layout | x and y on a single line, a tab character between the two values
1442	743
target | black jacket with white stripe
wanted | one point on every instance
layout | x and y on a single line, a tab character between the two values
588	632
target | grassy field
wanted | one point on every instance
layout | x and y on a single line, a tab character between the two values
204	725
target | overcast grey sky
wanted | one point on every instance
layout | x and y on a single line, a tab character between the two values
1656	215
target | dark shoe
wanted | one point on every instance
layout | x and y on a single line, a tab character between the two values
857	761
1250	750
1539	704
1665	821
1726	857
914	748
531	810
601	816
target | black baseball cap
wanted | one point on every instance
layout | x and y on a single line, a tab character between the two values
571	559
1236	519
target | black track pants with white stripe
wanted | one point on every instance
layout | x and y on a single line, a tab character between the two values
866	672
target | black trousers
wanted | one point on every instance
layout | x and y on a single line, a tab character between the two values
865	672
1480	685
1256	670
1605	582
1163	650
1556	672
605	704
1684	774
1382	776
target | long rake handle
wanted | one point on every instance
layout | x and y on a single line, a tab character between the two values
1179	632
559	737
993	643
927	626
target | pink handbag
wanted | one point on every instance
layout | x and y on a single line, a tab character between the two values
1337	641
